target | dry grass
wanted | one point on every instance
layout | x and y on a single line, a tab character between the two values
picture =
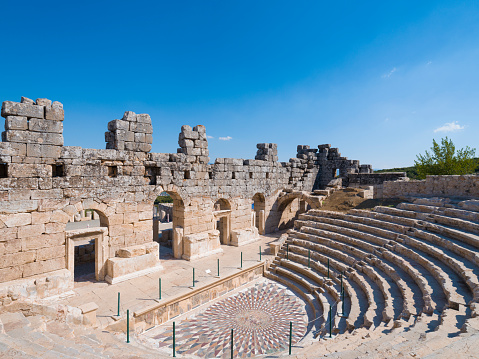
346	199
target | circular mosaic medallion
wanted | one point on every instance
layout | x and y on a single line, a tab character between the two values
259	317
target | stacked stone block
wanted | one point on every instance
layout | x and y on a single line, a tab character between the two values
34	129
122	182
132	133
194	144
267	152
306	153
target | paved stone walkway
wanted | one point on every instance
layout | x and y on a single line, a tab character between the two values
176	279
259	316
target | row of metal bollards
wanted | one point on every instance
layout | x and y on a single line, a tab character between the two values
329	276
159	296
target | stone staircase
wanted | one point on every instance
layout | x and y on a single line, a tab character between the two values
40	337
409	275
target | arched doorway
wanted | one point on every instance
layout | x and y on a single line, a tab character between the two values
222	215
259	207
86	235
168	224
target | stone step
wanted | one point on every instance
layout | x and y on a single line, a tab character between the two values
444	278
337	262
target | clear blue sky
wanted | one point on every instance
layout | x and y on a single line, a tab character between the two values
375	79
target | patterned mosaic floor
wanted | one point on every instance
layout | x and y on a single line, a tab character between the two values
259	317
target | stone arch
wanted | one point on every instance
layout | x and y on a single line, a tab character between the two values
285	200
222	219
259	209
222	204
177	220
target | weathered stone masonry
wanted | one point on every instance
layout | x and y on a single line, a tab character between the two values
44	184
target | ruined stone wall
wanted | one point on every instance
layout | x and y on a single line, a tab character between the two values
434	186
44	184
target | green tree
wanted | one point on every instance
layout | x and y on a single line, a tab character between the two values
445	160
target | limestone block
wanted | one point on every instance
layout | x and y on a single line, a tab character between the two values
199	129
120	267
149	138
152	247
141	127
118	125
7	234
27	100
140	137
44	151
133	251
244	236
11	273
55	112
143	147
16	123
51	265
122	135
183	143
22	109
40	217
191	151
17	259
71	152
143	118
13	149
31	230
188	134
129	116
16	220
43	102
143	226
18	206
89	313
50	253
49	193
121	230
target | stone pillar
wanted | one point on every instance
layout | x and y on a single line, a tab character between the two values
156	229
89	313
261	223
178	242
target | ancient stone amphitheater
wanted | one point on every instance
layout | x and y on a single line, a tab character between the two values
393	281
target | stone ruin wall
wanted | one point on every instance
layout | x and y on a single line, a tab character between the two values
466	186
44	184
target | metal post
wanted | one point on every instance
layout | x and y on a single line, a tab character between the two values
330	322
218	262
328	267
127	325
260	253
231	343
193	276
309	258
118	313
174	343
241	259
160	287
290	336
342	293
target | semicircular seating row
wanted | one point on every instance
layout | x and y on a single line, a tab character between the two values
398	266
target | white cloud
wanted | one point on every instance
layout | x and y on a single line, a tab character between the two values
208	136
227	138
388	75
449	127
428	63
